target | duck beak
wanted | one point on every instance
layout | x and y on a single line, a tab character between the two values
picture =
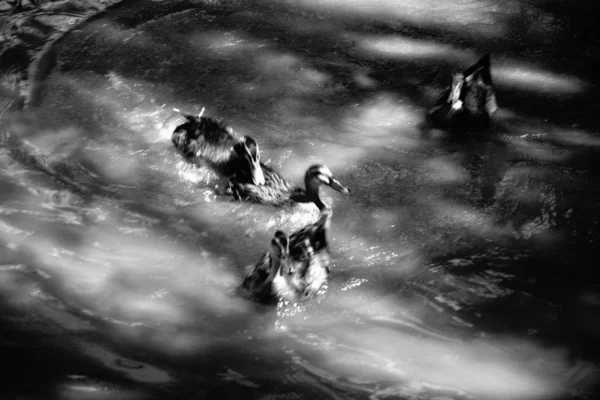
289	270
282	265
281	242
335	184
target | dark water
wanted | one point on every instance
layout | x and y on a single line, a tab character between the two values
462	268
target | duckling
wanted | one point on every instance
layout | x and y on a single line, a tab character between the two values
469	102
296	268
217	144
278	191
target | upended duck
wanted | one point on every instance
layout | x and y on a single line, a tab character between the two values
296	267
469	102
278	191
217	144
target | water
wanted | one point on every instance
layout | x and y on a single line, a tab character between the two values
460	269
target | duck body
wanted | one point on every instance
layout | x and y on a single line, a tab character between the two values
308	265
258	283
217	144
300	269
204	137
278	191
470	101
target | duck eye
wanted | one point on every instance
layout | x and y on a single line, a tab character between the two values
323	178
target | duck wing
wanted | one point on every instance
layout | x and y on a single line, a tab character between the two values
314	235
183	136
276	190
482	68
310	258
216	132
259	274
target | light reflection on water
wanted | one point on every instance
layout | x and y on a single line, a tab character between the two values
113	233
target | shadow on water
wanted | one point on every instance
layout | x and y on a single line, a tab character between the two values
443	246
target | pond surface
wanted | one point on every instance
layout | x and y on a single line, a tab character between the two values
462	269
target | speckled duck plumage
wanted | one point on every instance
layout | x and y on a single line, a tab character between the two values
217	144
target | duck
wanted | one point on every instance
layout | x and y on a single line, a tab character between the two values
469	102
297	266
278	191
216	143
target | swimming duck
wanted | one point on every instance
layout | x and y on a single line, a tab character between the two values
278	191
297	266
217	144
469	102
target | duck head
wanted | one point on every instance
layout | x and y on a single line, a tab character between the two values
304	254
315	176
247	150
280	248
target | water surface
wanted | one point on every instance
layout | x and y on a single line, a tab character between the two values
462	268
